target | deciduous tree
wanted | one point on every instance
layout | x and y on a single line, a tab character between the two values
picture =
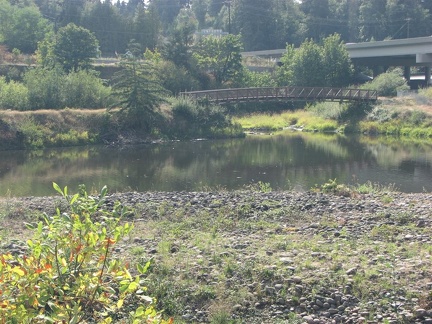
22	27
316	65
220	56
75	47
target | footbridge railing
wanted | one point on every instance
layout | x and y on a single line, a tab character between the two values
283	93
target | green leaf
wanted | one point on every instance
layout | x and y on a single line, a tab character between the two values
142	269
133	286
57	188
74	198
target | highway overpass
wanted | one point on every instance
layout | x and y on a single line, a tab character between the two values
406	52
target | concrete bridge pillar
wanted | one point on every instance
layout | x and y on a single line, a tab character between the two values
427	75
376	70
407	73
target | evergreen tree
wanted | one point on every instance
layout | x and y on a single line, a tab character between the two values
70	12
254	20
179	45
200	9
318	23
111	29
288	26
373	20
143	30
138	93
406	19
167	11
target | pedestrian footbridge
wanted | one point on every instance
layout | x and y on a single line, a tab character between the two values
282	94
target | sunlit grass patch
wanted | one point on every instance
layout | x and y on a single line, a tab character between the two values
300	118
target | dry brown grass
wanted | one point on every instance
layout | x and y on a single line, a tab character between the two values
406	104
66	118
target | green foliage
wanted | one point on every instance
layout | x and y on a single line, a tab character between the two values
387	84
44	88
316	65
31	133
335	188
178	47
337	66
84	89
69	273
194	120
308	65
220	56
381	114
74	47
73	137
45	51
176	78
260	187
54	89
251	79
22	27
13	95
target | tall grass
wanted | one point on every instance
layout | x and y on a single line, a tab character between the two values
301	119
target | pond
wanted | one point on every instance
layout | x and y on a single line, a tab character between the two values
285	161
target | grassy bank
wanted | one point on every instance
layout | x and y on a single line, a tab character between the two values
44	128
177	119
407	117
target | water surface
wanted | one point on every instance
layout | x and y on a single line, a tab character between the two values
285	161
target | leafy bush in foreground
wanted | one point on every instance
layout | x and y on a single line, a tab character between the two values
69	274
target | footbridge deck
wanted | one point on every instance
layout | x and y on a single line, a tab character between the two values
282	93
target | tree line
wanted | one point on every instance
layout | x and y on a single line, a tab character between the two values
261	24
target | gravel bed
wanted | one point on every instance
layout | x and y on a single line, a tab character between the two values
277	257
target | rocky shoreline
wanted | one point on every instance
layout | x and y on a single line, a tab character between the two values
276	257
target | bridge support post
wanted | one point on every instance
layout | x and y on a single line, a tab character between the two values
427	75
407	73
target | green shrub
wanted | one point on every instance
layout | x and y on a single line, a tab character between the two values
332	186
45	88
191	119
73	137
31	133
84	89
387	84
69	274
54	89
176	79
13	95
381	115
416	117
257	79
